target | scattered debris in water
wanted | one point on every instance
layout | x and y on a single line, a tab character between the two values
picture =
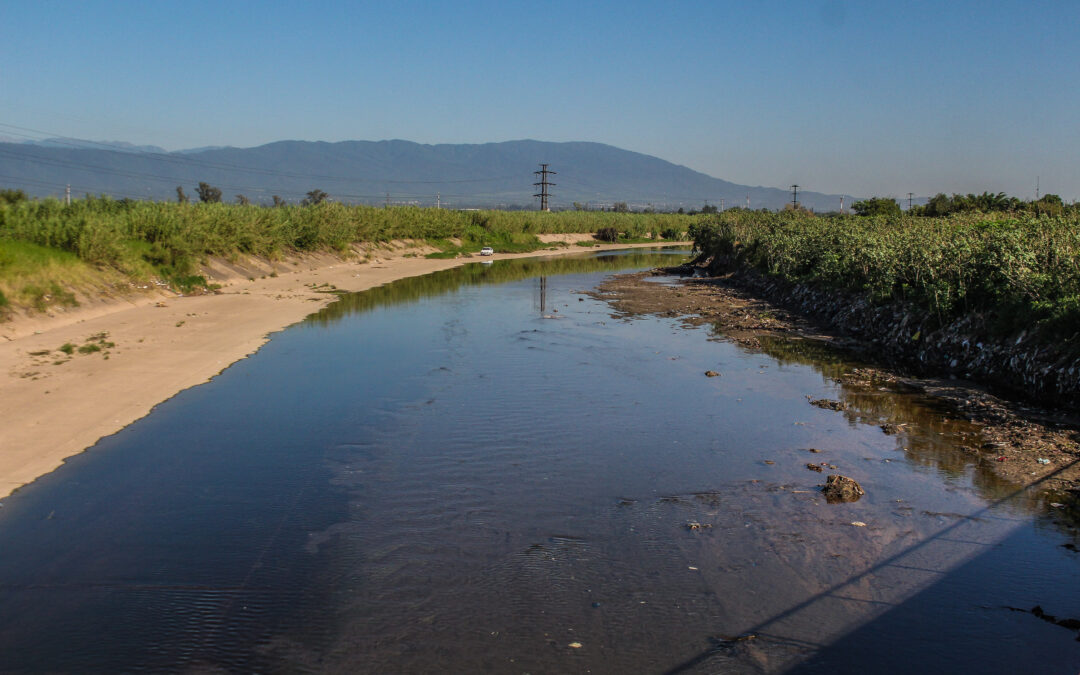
827	403
839	489
1037	610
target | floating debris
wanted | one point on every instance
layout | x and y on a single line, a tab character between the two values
711	373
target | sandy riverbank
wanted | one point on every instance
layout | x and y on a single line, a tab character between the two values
56	405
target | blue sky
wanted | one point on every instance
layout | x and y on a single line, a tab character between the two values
864	98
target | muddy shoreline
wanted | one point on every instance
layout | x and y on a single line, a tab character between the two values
1013	436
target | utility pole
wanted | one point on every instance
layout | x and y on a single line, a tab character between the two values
747	201
909	195
544	185
387	200
67	194
721	205
1036	188
438	200
795	196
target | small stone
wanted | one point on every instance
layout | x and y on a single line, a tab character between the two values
858	523
814	467
711	373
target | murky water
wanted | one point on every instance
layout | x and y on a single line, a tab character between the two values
480	471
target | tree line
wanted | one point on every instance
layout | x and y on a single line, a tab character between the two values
208	194
988	202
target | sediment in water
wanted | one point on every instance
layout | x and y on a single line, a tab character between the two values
1026	364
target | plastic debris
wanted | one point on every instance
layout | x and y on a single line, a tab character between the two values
858	523
574	645
1042	461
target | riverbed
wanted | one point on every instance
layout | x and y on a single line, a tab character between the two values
487	470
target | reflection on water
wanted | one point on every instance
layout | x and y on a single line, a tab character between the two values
927	433
414	289
437	477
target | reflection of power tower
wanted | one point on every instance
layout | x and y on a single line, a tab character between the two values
544	185
540	299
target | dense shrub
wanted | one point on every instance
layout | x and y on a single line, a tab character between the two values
1022	270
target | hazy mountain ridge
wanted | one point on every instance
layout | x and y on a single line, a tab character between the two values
458	175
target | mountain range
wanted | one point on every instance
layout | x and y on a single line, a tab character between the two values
381	172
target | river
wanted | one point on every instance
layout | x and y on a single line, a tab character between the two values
484	470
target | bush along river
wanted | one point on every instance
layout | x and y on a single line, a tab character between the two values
489	469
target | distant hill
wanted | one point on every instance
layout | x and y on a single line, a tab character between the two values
375	172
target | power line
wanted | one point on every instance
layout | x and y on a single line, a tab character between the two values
544	184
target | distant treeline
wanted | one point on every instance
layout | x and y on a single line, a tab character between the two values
988	202
1020	270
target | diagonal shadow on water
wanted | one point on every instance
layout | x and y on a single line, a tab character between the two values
867	643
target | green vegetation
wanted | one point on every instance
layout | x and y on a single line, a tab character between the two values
1021	271
877	206
48	248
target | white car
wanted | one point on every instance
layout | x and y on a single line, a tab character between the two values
487	250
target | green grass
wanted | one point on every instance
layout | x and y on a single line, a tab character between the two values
1018	271
43	296
100	241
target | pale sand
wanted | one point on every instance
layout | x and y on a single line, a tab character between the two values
51	412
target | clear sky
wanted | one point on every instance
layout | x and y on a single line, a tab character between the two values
864	98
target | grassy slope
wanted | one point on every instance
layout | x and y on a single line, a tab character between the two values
49	249
1020	271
